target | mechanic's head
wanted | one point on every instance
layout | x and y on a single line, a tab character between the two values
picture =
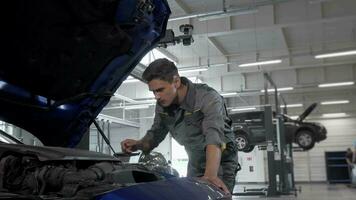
163	80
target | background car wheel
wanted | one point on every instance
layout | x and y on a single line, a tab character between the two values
305	139
242	142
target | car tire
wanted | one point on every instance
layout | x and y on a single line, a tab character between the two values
242	141
305	139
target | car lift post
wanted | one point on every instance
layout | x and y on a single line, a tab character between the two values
272	182
280	163
279	154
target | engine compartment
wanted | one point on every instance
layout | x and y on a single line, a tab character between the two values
27	176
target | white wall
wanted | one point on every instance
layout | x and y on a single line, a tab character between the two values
310	165
117	134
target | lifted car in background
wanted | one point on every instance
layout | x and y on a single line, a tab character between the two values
249	130
62	61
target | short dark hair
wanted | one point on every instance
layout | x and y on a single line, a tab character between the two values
161	69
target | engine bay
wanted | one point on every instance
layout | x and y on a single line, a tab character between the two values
27	176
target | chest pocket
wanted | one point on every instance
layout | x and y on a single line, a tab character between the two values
191	134
194	119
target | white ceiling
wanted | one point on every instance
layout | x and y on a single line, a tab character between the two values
291	30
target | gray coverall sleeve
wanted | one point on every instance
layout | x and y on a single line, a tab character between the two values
213	123
156	134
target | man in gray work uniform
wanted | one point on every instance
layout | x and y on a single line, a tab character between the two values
196	117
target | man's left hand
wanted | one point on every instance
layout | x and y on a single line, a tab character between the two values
217	182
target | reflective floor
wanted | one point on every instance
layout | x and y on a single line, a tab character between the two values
313	191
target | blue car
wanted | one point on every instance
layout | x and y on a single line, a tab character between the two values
62	61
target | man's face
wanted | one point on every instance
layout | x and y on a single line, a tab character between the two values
165	92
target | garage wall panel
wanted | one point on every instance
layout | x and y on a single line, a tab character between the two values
301	166
117	134
310	165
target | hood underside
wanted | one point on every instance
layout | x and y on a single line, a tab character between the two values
64	59
307	112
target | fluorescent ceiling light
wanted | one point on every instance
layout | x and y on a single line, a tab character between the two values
293	105
334	115
228	94
337	54
335	102
336	84
182	70
279	89
269	62
243	109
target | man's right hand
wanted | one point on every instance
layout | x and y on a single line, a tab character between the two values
129	145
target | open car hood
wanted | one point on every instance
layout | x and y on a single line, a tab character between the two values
307	111
64	59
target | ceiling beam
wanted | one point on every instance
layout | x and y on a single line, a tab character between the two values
227	31
312	65
302	89
168	54
246	70
183	6
284	40
217	46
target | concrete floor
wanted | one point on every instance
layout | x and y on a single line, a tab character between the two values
313	191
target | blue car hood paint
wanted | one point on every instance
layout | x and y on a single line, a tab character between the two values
169	189
60	115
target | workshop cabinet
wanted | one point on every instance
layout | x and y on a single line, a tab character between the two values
336	167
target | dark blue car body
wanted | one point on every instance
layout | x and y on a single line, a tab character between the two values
27	98
62	62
